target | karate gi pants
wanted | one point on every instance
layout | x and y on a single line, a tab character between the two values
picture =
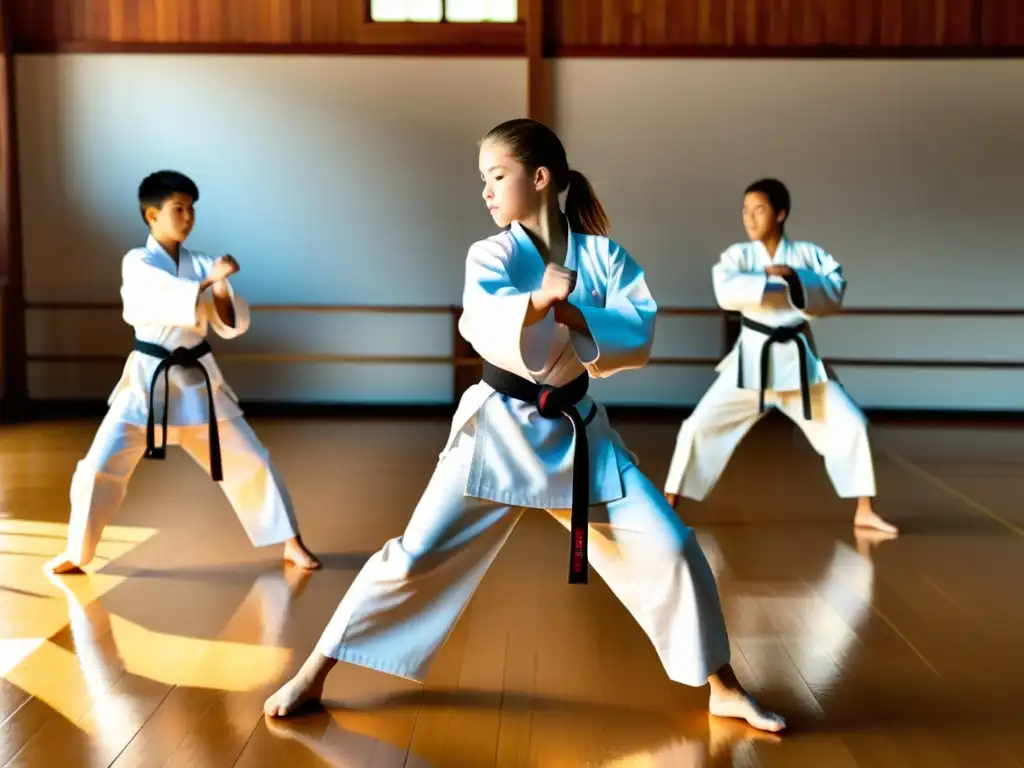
251	483
407	598
708	439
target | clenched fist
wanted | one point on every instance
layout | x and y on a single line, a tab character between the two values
223	268
778	270
558	283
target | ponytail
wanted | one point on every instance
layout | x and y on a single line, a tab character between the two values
582	208
534	145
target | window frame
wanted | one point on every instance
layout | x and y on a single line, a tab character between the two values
465	38
368	17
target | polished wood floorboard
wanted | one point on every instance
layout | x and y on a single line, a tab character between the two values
881	653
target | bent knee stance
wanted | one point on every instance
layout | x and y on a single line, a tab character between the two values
842	431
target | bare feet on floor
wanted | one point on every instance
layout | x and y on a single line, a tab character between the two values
729	699
61	564
293	695
305	688
740	705
866	517
295	552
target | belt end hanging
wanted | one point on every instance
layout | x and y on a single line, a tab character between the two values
216	464
578	565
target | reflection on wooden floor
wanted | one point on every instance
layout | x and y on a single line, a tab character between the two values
880	653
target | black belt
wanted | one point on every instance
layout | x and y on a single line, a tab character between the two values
186	358
781	335
553	402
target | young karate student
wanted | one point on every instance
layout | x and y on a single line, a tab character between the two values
547	303
171	296
778	285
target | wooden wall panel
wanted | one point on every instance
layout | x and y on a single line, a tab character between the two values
741	27
259	26
1002	23
189	21
573	27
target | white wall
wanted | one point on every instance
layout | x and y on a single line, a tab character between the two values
909	172
332	180
327	177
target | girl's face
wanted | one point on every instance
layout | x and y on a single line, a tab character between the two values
760	220
510	191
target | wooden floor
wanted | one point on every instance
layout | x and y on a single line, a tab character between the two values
896	653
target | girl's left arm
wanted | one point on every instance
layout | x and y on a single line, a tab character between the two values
619	335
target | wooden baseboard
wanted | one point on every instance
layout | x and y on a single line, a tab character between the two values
61	410
13	410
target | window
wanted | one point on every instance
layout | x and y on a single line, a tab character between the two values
445	10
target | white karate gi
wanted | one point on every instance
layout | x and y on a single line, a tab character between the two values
838	429
162	302
503	457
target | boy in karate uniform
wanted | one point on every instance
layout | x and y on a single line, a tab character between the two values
778	285
171	296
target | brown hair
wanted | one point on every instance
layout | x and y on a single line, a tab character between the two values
535	145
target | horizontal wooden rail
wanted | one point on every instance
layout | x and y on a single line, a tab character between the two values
440	309
466	365
387	309
261	357
867	362
869	312
465	362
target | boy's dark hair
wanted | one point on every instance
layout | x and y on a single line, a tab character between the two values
777	194
156	188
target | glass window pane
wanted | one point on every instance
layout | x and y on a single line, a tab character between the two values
502	10
388	10
425	10
482	10
405	10
464	10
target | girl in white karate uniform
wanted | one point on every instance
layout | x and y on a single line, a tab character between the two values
549	301
777	284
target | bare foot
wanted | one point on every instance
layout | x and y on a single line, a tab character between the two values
739	704
729	699
672	498
866	517
306	687
61	564
296	693
295	552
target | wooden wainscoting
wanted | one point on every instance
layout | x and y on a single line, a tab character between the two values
467	365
